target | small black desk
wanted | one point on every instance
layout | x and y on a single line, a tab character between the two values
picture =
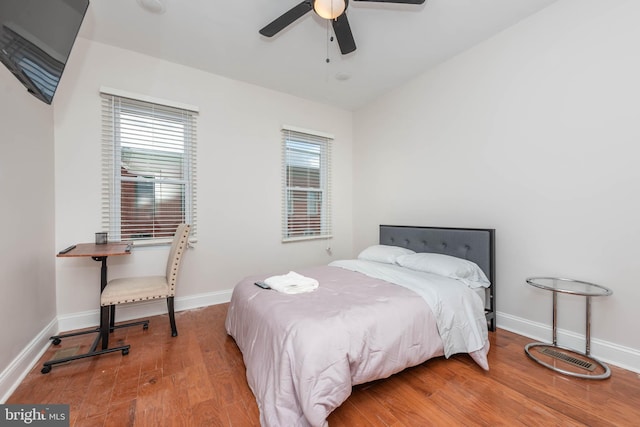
98	253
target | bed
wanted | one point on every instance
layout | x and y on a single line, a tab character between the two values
369	318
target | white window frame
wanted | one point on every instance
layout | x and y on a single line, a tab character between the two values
112	101
322	141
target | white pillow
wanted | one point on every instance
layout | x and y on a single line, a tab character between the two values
384	253
449	266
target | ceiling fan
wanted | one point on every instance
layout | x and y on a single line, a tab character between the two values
333	10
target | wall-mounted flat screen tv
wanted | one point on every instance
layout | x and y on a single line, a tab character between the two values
36	37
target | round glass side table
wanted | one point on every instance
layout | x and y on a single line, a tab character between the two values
584	360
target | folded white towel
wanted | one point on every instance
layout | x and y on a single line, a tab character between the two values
292	283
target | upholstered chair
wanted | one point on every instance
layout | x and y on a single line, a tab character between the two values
134	289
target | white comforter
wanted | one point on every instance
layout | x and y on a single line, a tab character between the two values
458	310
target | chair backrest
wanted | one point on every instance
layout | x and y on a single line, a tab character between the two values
178	247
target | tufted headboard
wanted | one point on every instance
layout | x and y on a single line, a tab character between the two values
473	244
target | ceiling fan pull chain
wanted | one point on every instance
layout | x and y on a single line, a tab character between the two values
328	38
327	60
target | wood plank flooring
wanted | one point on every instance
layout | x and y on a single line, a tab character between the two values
198	379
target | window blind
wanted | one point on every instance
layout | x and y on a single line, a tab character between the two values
149	169
306	207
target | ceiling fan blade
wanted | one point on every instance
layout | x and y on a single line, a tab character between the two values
342	30
396	1
286	19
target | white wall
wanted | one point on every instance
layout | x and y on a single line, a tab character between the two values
239	178
27	288
535	133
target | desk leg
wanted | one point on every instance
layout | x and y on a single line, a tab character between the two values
104	311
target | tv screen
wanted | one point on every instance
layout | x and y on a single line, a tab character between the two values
36	37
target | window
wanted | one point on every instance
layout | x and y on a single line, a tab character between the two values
306	185
149	184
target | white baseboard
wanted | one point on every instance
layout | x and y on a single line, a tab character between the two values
87	319
13	375
610	353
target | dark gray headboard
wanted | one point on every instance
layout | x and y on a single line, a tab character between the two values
474	244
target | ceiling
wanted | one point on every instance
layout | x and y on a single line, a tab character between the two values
395	42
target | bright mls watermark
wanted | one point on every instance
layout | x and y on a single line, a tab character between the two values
34	415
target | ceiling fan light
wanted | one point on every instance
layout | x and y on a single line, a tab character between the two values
329	9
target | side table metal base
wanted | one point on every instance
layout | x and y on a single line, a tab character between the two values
567	359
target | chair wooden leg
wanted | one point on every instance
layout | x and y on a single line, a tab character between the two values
112	318
104	332
172	317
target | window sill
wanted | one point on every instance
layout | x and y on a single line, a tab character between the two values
157	242
303	238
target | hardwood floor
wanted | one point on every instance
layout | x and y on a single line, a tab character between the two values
198	379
